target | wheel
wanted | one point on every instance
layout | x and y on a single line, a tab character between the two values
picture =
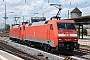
47	48
52	50
19	41
29	43
23	42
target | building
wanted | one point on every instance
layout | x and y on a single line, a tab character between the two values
76	13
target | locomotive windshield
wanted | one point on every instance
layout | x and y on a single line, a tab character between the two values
69	26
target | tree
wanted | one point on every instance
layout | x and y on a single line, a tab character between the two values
84	31
7	28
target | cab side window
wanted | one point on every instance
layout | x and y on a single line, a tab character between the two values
51	27
20	28
24	27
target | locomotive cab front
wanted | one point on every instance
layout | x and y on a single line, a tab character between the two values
67	36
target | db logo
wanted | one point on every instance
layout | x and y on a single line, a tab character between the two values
67	34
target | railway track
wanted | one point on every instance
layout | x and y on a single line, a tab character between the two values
82	57
85	49
75	57
4	34
14	51
17	52
82	49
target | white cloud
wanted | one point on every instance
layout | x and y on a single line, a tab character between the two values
73	2
20	8
85	11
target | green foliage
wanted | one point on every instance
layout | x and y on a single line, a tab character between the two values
84	31
7	28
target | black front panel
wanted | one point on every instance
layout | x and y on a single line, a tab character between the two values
68	45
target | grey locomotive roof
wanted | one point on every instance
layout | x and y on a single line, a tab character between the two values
76	10
15	26
38	23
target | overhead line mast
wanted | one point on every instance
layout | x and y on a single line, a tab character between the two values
5	16
25	1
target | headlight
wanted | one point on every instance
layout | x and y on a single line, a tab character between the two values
73	35
62	35
75	39
60	39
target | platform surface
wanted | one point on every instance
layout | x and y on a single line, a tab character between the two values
84	41
8	56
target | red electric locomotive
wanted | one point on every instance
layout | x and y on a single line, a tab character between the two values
53	35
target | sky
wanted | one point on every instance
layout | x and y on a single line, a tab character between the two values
30	8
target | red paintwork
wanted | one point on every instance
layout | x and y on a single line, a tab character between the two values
43	32
88	32
14	32
71	39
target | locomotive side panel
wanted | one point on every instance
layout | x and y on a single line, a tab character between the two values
40	34
14	33
29	32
